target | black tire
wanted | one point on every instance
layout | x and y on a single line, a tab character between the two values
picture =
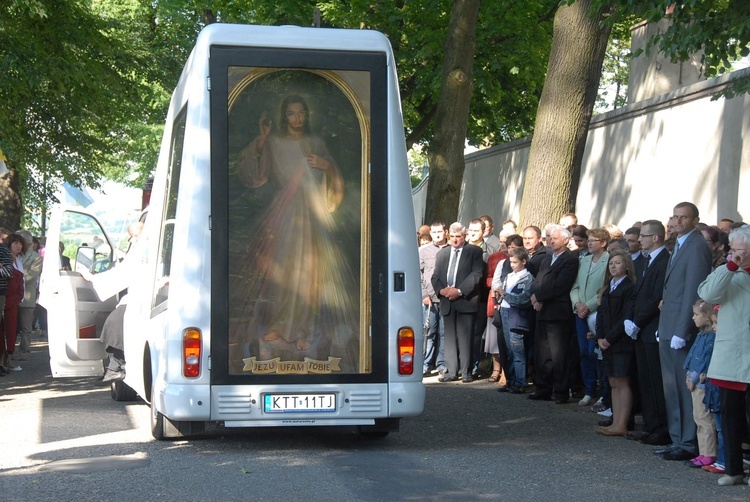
374	434
164	429
121	392
380	429
157	420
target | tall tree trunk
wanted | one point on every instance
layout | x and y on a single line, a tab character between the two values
562	119
10	200
446	154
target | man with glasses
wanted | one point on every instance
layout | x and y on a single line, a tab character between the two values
688	266
584	295
643	327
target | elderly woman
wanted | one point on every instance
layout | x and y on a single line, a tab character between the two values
584	296
729	286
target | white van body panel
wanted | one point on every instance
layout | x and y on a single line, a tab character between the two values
193	399
154	332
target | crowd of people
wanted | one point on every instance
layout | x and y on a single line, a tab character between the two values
653	321
20	269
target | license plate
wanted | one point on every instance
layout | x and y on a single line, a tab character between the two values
299	403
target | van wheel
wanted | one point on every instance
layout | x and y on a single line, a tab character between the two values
157	421
374	434
380	429
121	392
164	429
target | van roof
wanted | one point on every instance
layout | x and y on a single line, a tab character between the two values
293	37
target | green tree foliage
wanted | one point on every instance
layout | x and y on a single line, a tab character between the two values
86	83
579	43
613	86
717	29
513	45
85	89
512	39
67	91
446	152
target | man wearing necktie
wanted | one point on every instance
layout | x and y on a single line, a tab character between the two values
458	271
643	327
689	265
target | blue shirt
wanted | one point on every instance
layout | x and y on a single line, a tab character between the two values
699	357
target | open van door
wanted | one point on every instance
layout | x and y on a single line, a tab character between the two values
75	312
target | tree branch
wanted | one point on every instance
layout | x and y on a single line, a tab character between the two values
421	127
551	14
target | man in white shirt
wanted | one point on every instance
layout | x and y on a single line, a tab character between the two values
459	269
434	341
689	265
634	247
643	329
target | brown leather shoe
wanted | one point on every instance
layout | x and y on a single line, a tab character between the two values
637	435
657	439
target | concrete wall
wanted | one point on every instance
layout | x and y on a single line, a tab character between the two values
419	199
653	74
639	162
493	179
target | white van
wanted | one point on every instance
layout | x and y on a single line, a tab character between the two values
276	279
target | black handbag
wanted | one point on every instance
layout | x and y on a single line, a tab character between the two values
496	319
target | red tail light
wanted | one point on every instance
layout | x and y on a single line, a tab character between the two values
191	352
405	351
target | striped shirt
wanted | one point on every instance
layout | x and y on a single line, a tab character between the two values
6	268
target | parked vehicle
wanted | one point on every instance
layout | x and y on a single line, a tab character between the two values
276	279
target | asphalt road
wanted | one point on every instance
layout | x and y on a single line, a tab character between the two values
67	440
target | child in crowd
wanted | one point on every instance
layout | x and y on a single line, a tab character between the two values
514	298
712	403
696	364
616	301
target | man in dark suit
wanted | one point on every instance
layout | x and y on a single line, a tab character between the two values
689	265
554	318
459	268
634	248
642	328
532	241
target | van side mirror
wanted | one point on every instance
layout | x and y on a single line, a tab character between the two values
85	257
92	260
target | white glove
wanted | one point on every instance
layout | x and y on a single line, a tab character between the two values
591	321
677	342
631	329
